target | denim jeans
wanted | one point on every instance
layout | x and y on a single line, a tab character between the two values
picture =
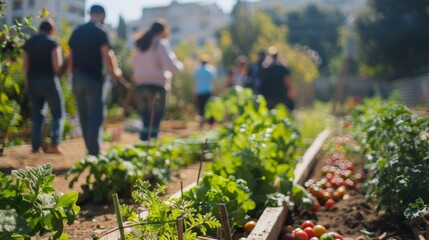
43	90
90	96
150	102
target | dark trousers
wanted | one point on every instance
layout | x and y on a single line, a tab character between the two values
150	102
40	91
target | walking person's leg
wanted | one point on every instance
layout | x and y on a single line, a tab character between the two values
158	110
143	99
55	100
37	103
96	108
79	89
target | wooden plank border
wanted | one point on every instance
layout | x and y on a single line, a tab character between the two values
272	220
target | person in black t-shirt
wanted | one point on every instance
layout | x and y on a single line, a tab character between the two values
42	61
255	73
90	51
276	84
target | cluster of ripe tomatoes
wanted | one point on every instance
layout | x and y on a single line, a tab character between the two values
309	231
339	176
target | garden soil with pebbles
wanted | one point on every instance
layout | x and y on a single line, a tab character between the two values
93	219
353	215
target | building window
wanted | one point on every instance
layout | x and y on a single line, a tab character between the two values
17	5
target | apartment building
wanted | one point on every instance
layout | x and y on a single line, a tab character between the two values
195	21
346	6
71	10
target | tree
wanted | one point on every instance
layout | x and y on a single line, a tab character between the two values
313	26
122	28
394	37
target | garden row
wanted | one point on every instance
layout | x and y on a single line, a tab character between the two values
389	150
253	158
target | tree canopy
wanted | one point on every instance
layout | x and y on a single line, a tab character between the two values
312	26
394	37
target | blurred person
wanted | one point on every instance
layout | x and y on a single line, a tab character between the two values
90	50
237	75
255	72
153	64
204	78
42	62
276	85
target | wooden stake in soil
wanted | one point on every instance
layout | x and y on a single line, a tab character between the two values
118	215
225	222
180	228
201	160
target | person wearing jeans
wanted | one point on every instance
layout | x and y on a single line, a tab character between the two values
42	63
153	63
90	49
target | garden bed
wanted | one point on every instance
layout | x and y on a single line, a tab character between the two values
353	217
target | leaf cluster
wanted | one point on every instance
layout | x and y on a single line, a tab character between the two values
11	40
214	190
258	146
159	220
29	205
396	152
118	169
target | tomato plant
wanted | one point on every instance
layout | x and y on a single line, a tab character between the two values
396	151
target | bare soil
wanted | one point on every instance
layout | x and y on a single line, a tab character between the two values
94	220
354	217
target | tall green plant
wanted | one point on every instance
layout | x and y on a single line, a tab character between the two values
11	40
396	151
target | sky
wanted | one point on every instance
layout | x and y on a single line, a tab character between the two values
132	9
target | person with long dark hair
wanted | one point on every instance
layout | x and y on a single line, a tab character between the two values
42	64
153	65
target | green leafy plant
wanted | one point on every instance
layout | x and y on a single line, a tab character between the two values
159	221
29	205
396	147
258	146
118	169
11	40
213	190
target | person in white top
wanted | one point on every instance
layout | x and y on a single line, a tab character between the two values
153	65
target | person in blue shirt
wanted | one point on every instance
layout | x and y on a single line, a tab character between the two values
204	78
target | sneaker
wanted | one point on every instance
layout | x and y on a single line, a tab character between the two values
53	149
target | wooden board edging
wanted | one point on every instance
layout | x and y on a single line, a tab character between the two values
272	220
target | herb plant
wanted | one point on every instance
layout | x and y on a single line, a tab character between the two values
159	221
29	205
213	190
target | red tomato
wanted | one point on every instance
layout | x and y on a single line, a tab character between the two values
329	204
349	183
316	206
336	235
288	236
300	235
310	231
307	224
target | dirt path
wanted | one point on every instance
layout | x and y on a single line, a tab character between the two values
93	219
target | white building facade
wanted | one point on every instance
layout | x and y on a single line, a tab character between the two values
194	21
71	10
346	6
